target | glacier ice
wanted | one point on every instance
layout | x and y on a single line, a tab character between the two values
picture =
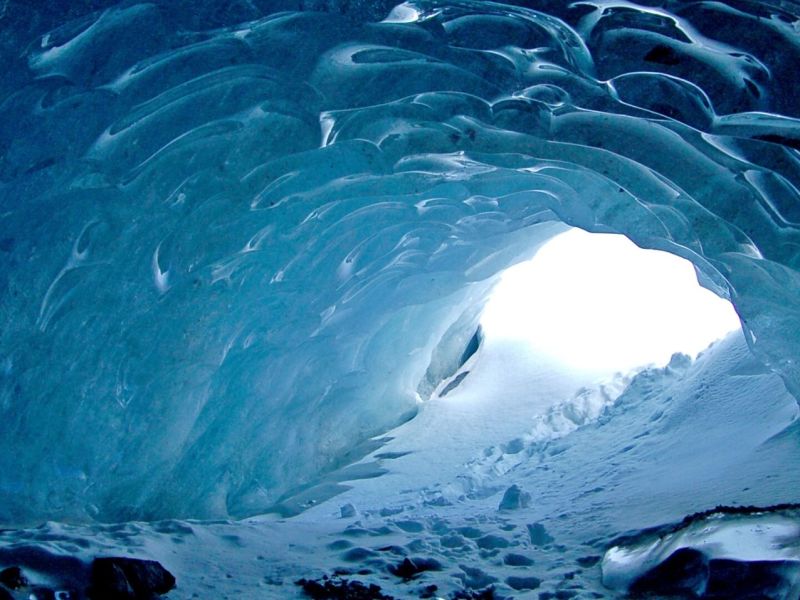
236	243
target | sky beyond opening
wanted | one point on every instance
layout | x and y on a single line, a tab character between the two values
599	302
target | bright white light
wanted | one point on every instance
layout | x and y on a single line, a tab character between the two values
599	302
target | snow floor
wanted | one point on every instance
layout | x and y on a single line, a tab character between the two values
592	458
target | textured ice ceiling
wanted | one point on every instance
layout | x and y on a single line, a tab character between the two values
235	243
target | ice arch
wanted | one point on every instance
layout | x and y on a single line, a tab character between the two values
236	245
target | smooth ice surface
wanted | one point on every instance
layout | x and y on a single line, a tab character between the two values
239	241
597	302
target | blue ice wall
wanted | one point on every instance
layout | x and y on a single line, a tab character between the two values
235	243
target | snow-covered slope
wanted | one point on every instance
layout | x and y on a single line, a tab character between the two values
523	488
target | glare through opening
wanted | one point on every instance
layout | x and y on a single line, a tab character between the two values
598	302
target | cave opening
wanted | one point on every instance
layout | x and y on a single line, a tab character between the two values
598	303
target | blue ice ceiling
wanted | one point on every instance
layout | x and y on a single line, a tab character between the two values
235	244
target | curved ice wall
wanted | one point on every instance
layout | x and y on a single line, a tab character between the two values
236	242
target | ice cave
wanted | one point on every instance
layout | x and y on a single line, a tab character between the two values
251	256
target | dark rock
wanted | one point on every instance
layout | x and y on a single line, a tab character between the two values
688	572
5	594
411	567
684	572
341	589
117	578
109	580
741	579
13	578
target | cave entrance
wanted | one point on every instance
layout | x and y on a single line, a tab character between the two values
599	303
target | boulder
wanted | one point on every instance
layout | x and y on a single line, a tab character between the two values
13	578
689	572
118	578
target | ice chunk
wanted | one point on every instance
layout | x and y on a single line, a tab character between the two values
515	498
727	553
